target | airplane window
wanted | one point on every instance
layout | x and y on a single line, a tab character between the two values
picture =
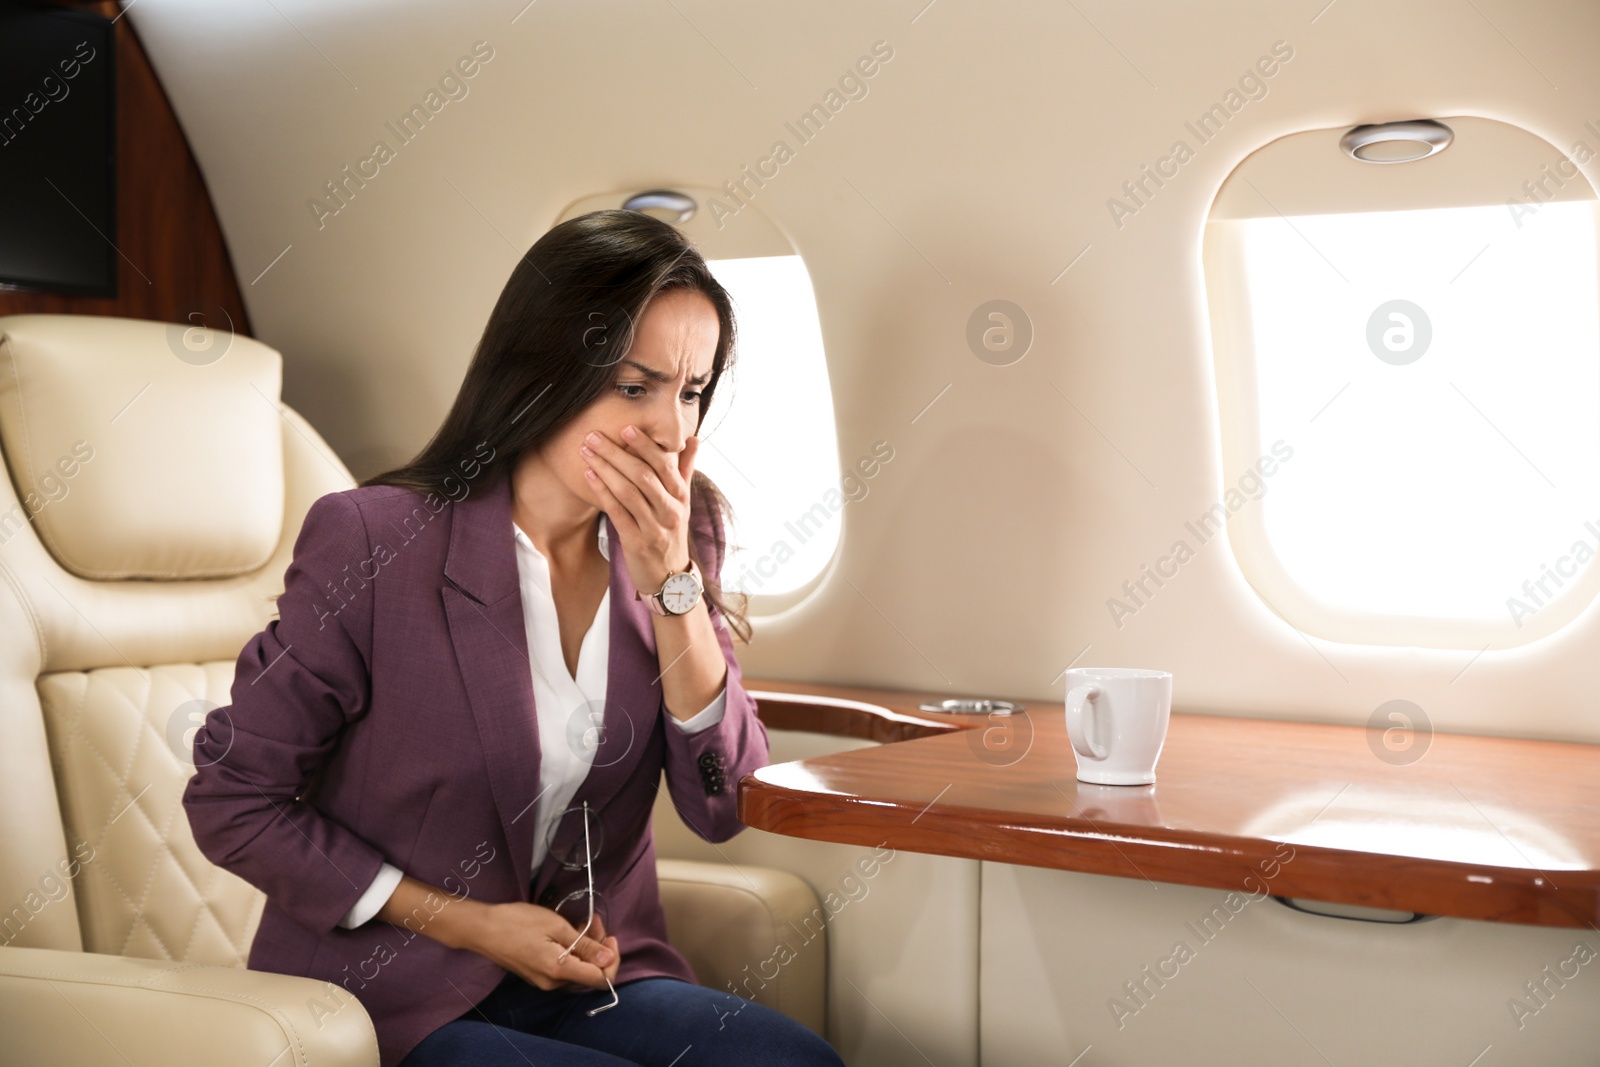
1423	384
770	439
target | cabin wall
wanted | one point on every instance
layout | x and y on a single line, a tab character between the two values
1148	974
978	166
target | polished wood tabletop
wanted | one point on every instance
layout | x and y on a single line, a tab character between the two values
1490	828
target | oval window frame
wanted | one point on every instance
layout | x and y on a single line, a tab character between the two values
1308	174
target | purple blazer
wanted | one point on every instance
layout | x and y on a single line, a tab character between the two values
387	714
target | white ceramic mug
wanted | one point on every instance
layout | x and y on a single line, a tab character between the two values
1117	720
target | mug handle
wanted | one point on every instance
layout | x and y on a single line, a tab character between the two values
1076	723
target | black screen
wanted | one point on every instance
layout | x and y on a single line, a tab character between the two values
57	167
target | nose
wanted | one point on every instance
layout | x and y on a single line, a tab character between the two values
668	424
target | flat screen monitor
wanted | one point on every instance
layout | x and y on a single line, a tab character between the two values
58	226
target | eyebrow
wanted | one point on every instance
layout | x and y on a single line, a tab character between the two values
658	376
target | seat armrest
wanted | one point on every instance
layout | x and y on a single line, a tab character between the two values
755	931
79	1007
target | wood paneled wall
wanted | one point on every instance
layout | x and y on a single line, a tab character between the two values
174	263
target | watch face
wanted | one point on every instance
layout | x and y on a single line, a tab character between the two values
681	593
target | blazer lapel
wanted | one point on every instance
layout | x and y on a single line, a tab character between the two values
483	602
633	702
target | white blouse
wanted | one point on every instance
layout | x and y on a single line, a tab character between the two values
568	707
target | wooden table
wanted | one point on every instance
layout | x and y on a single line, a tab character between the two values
1488	828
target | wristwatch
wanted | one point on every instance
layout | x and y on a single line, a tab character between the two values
678	594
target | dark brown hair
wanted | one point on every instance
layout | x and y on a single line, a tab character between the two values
563	323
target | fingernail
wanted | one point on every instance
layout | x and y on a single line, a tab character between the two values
630	433
603	957
593	439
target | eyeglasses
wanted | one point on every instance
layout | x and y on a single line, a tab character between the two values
570	856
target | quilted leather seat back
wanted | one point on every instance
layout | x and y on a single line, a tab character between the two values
120	743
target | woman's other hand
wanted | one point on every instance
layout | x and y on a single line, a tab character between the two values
529	941
525	939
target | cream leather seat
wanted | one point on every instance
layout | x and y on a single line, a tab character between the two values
156	488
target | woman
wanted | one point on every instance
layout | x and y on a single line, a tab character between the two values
406	736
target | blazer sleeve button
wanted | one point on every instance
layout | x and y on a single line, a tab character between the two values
712	775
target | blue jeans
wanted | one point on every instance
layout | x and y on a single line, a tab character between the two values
658	1022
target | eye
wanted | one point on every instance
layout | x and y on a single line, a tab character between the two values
690	396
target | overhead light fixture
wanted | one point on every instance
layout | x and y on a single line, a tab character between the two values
668	205
1397	142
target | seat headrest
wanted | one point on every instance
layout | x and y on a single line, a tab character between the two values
141	449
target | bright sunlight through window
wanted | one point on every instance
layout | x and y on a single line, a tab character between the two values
1437	373
769	440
